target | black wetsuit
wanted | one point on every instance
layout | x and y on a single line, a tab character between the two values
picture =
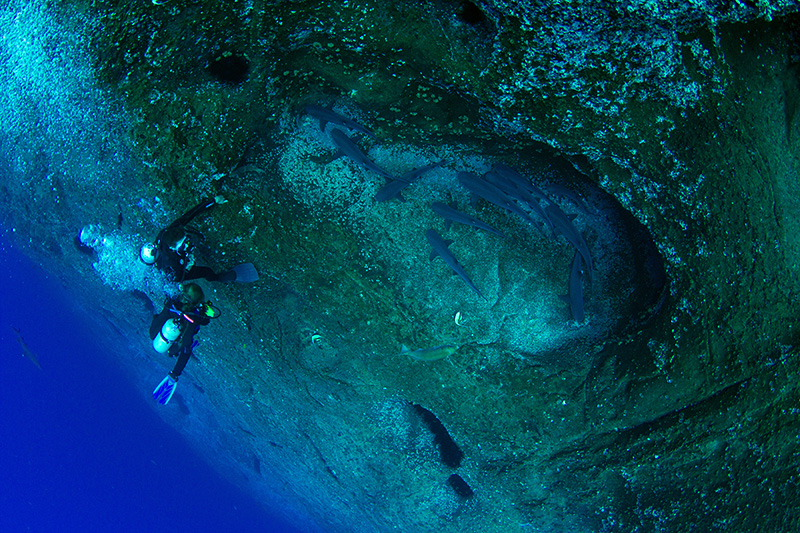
190	322
174	263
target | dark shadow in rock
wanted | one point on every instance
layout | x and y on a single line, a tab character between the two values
180	401
461	488
146	301
82	248
471	14
449	452
230	69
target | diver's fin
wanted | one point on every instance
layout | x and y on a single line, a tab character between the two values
244	273
165	390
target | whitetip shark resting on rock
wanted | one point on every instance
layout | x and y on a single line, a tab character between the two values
393	188
451	214
440	248
574	296
325	115
480	188
348	148
562	225
564	192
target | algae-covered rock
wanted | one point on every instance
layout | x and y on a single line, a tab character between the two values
669	408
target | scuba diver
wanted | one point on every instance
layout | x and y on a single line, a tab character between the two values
172	252
173	332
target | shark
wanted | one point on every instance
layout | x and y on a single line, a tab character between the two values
393	188
564	192
483	189
519	181
349	149
451	214
563	224
440	248
574	296
517	192
412	175
325	115
26	351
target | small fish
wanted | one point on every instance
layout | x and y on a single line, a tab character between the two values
348	148
430	354
325	115
439	246
26	351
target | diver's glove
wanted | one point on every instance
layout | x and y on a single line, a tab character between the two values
209	310
219	200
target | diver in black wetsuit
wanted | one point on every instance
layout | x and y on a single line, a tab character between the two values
188	312
172	251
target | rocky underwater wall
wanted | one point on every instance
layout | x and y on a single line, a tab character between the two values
645	155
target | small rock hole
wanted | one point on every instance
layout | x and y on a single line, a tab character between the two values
230	69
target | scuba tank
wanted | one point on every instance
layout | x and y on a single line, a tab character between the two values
169	332
148	253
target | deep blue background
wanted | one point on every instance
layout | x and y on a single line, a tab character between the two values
80	450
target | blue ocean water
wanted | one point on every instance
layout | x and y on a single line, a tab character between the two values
80	450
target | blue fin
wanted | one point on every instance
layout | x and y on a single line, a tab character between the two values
246	273
165	390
